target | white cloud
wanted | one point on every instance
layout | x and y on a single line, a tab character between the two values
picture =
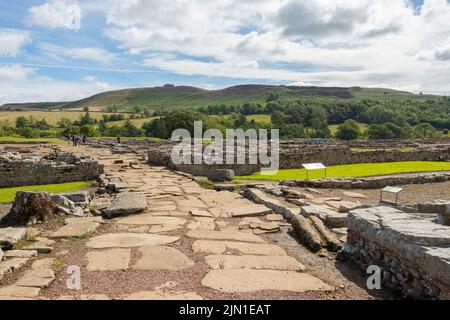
98	84
56	14
21	84
344	42
11	41
92	54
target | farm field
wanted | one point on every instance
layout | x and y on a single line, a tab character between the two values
354	171
52	117
8	194
362	127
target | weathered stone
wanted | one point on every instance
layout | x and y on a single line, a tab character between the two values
247	280
20	253
129	240
11	236
333	243
126	203
159	295
249	210
224	235
274	217
162	258
307	234
40	278
406	245
14	264
220	175
76	228
336	220
151	220
202	224
85	297
317	211
354	195
42	245
344	206
46	263
259	262
200	213
108	260
62	201
221	247
4	270
30	206
163	228
1	254
19	291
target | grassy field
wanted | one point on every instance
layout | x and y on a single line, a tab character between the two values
52	117
8	194
260	118
31	140
354	170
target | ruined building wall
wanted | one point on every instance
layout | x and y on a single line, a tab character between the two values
411	250
25	172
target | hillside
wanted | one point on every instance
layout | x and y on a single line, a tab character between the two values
185	96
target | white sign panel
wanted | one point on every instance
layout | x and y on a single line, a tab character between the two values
393	189
313	166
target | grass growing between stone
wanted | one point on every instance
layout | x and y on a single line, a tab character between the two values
9	194
354	170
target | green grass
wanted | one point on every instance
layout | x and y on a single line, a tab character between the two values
362	127
36	140
260	118
8	194
354	170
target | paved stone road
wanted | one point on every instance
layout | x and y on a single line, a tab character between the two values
188	244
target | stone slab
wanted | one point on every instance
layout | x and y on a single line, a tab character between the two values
247	280
281	263
14	264
221	247
159	295
46	263
162	258
108	260
224	235
21	253
249	210
126	203
10	236
40	278
19	292
129	240
78	229
151	220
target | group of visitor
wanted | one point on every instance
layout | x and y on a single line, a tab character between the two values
76	140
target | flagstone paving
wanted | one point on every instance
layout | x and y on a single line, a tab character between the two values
182	242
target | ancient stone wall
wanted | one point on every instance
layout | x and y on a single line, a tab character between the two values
17	170
411	250
371	182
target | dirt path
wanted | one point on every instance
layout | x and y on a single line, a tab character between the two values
190	243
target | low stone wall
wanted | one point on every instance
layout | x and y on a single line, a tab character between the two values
295	153
411	250
371	182
16	171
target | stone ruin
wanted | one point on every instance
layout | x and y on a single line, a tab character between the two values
411	249
35	166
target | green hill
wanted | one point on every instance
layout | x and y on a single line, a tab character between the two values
169	96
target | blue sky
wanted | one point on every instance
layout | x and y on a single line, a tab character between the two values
68	49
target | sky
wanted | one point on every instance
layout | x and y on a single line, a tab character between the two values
61	50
